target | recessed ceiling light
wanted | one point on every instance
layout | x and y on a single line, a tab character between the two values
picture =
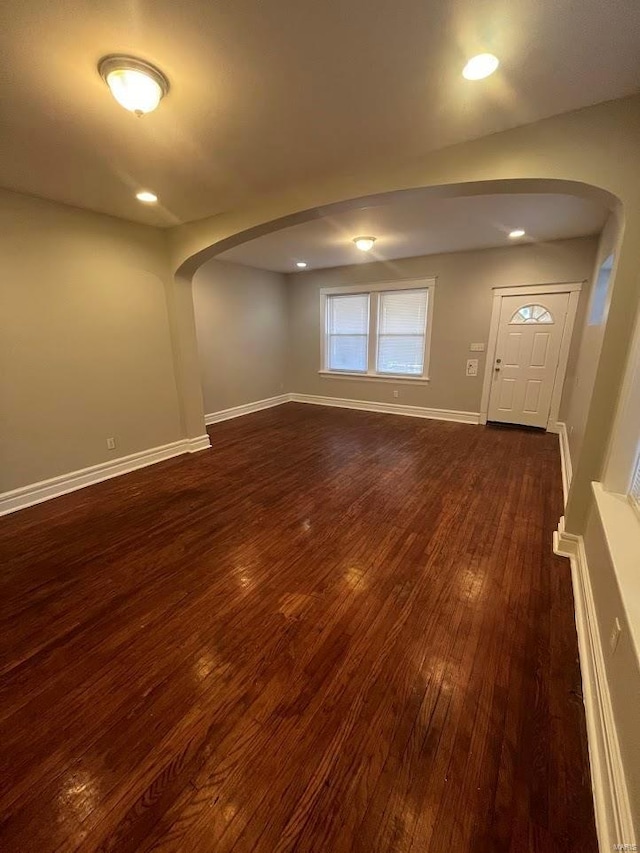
365	244
147	197
136	85
481	66
517	232
301	264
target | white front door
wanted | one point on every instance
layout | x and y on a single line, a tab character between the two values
529	337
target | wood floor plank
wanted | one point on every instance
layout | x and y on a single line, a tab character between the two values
335	630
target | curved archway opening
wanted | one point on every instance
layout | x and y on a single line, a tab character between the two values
560	211
504	187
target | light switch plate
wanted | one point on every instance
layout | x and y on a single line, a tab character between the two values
476	347
472	367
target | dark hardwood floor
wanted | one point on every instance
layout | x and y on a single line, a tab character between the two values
334	631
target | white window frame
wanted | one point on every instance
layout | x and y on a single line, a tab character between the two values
373	290
328	335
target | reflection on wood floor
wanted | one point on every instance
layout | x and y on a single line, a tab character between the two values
334	631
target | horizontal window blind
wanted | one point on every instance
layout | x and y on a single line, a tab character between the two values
348	332
401	332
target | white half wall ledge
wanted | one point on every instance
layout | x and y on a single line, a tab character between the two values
45	490
614	821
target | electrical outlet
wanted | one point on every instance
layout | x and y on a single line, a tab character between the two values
472	367
111	444
476	347
396	393
614	636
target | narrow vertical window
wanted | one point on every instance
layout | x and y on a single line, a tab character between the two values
634	492
600	294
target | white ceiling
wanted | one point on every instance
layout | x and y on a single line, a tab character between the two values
266	94
421	225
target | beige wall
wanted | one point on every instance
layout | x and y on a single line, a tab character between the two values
461	316
588	337
85	349
241	324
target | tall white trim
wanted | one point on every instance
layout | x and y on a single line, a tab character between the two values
538	289
614	821
623	448
573	289
245	409
565	457
563	356
44	490
389	408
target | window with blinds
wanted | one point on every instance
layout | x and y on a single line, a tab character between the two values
402	323
634	492
378	330
348	332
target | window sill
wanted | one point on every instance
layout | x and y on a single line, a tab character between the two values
621	528
376	377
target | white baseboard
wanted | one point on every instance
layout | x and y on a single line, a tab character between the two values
194	445
389	408
611	801
339	402
47	489
36	493
246	409
565	458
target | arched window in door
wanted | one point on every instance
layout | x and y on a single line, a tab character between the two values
531	314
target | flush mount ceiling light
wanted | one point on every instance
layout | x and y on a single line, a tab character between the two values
365	244
480	66
301	265
147	197
517	232
136	85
